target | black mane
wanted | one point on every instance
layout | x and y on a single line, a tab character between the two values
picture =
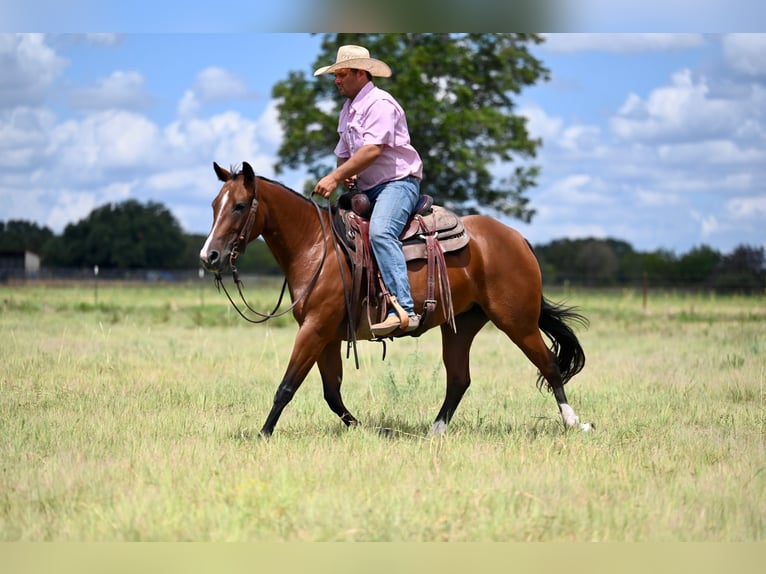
236	171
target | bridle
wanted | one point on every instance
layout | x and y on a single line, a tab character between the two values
244	233
242	240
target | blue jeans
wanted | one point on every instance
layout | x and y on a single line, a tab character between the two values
393	203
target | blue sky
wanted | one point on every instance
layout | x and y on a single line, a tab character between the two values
655	139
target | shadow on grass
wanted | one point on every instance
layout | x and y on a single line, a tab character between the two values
401	429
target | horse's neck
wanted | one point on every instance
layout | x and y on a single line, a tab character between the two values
291	230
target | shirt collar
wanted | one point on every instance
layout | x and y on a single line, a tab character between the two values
368	87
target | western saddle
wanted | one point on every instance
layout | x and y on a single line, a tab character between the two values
431	232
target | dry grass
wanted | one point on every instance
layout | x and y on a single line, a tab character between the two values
123	419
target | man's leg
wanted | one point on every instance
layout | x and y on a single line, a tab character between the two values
394	203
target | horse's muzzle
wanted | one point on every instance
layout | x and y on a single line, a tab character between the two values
213	260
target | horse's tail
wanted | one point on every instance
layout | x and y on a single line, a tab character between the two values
554	322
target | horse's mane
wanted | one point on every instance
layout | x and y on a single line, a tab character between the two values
236	171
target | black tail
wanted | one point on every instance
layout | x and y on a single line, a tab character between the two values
570	356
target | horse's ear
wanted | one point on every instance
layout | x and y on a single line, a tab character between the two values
248	172
222	174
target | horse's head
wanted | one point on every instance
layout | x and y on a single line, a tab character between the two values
234	215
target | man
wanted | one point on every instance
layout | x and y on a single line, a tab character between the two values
374	151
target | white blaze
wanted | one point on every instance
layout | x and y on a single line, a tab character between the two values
221	210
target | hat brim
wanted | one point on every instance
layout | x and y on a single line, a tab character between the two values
375	67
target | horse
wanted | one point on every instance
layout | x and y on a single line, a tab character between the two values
496	278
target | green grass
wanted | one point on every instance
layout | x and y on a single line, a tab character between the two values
130	417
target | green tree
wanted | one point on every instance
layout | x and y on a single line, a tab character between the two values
128	235
698	265
18	235
597	263
741	271
457	91
659	266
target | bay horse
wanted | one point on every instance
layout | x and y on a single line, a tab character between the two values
496	277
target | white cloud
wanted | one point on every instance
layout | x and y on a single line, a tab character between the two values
70	207
745	53
682	111
653	198
717	151
269	129
105	141
709	225
540	124
189	106
747	207
122	89
73	205
620	43
581	139
28	67
215	84
579	190
23	136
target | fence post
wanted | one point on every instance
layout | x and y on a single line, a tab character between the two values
645	289
95	285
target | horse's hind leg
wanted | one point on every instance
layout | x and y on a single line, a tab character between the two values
456	347
524	331
330	366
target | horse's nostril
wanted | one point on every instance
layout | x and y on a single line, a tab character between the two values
213	256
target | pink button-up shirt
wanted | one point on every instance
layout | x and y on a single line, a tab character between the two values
375	117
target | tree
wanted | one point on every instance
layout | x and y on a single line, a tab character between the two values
127	235
698	265
659	266
741	271
457	91
17	235
597	262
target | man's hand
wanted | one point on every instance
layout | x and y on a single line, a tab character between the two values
348	169
326	186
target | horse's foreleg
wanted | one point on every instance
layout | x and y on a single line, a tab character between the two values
330	366
303	357
456	347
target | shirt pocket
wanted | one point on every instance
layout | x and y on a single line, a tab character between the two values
353	137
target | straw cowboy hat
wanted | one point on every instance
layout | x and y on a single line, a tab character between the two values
356	57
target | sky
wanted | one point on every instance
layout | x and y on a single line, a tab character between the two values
655	139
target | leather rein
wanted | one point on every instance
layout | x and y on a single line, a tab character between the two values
242	240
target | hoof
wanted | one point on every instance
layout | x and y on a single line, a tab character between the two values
439	428
568	416
587	427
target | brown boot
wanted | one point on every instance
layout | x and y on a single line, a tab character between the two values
386	327
413	324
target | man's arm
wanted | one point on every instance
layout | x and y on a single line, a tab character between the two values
347	168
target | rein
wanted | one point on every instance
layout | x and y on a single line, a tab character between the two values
236	252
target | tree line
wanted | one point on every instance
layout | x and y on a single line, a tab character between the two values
595	262
131	236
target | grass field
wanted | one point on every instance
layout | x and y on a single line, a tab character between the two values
125	415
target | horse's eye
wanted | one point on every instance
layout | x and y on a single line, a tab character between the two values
239	207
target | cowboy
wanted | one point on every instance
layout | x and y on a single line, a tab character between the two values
375	154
